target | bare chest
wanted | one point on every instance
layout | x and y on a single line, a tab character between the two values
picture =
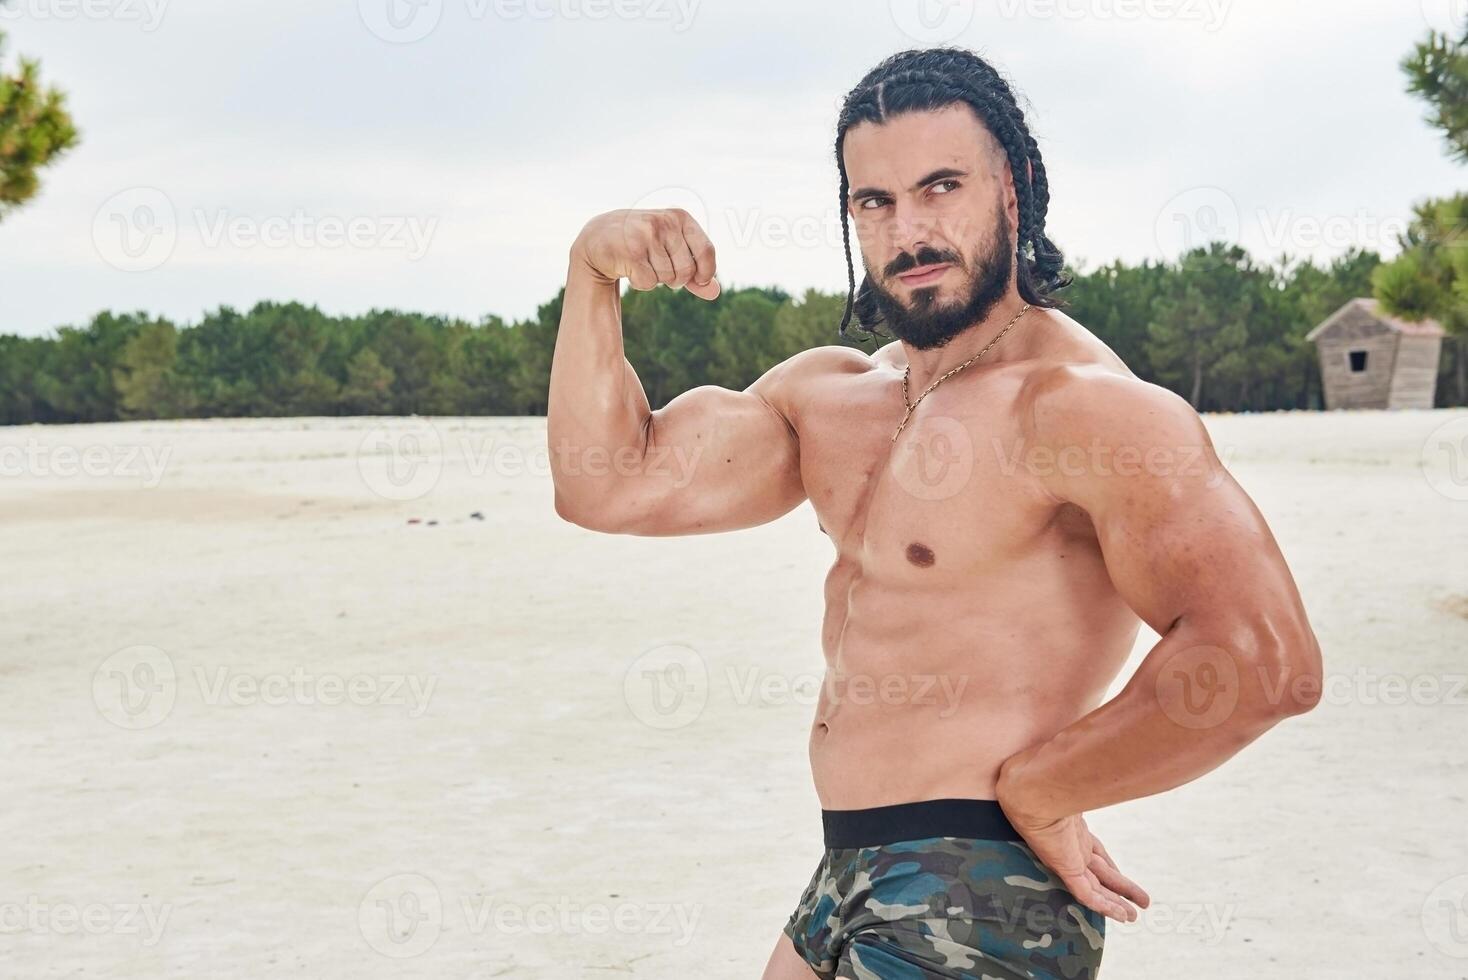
952	496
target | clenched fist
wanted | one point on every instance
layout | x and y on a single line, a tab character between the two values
649	247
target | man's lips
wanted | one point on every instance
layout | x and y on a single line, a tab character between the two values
924	274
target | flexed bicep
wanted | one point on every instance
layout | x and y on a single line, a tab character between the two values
712	459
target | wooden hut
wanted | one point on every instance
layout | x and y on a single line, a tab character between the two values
1370	359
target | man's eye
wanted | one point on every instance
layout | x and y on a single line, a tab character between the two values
872	203
946	183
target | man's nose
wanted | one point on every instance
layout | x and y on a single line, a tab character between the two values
911	228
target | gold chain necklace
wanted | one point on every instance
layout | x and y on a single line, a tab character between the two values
908	370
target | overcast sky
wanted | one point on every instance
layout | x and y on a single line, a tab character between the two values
441	155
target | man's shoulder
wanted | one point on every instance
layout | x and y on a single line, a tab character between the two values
1087	401
814	363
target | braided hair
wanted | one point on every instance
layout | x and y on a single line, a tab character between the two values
934	78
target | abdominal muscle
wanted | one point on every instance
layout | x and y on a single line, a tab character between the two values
929	689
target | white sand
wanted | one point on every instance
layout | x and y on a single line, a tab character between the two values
241	834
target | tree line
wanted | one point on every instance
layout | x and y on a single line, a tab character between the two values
1220	329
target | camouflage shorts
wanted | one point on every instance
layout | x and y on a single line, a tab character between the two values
964	906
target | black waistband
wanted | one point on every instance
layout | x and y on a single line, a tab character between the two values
982	819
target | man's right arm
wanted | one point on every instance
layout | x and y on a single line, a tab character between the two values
712	459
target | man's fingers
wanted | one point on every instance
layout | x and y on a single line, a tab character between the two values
1098	898
642	275
1106	872
683	265
702	251
1134	891
709	290
658	258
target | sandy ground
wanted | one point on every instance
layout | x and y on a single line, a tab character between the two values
256	723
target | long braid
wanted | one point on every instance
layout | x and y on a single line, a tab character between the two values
927	79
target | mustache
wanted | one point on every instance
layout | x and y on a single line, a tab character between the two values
925	256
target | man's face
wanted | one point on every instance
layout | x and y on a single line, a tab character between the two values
934	210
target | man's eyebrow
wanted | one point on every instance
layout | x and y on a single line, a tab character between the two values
942	173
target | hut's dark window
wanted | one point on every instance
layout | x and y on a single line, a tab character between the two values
1358	361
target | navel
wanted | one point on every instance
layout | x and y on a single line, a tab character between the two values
920	555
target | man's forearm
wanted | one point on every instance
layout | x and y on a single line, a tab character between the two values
1200	696
596	406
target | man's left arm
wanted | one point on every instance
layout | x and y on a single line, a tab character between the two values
1189	552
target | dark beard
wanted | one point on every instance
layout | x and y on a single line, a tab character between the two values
926	325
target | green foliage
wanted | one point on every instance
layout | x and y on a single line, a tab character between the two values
1215	326
1437	72
1430	279
35	129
